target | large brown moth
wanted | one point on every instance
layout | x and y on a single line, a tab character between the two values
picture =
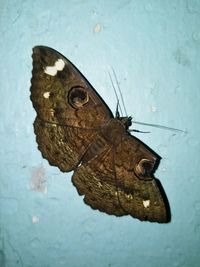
76	131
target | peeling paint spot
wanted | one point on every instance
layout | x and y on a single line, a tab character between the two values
181	58
153	108
35	219
97	28
38	180
58	66
146	203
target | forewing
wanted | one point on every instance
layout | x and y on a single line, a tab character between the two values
62	146
61	94
69	111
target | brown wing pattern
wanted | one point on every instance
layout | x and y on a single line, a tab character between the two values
113	183
62	146
141	197
69	111
96	181
60	93
75	130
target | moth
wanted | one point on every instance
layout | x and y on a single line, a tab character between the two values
76	131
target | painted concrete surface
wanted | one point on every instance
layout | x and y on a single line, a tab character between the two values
154	47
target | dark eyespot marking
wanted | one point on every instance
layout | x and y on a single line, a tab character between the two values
78	97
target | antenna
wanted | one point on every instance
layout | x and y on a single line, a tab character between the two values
124	107
118	104
159	126
120	92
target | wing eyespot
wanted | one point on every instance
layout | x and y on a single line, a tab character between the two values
144	168
78	97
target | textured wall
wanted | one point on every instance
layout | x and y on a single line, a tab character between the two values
154	47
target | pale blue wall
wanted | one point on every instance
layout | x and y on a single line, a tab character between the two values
154	47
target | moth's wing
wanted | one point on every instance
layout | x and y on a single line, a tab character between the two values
61	94
62	146
109	183
95	179
139	193
69	111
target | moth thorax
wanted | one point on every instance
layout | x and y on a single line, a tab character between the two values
114	131
126	121
78	97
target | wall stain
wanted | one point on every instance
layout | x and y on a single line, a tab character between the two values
38	180
181	58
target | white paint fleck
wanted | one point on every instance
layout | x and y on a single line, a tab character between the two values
46	94
146	203
97	28
35	219
38	180
58	66
153	108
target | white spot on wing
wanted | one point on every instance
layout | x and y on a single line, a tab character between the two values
80	163
46	94
50	70
146	203
58	66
